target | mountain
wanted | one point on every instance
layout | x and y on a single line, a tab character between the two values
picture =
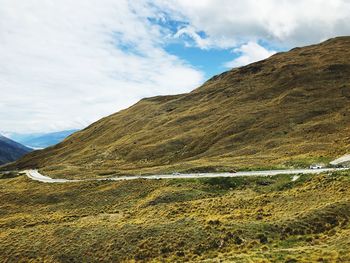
291	109
41	140
11	150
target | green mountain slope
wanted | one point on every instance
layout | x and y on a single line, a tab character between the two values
291	109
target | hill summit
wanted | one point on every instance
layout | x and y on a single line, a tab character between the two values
291	109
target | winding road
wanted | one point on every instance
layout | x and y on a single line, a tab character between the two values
35	175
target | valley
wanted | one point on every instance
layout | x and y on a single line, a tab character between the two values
11	151
225	173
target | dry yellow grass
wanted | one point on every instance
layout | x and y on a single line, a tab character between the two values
266	219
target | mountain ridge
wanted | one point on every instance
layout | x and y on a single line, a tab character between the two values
11	150
287	110
41	140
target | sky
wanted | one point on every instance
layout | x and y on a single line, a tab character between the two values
65	64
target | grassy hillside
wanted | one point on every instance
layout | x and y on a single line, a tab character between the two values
266	219
289	110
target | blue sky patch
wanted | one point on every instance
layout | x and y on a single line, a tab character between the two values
210	61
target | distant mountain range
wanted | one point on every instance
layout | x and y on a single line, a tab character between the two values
10	150
289	110
41	140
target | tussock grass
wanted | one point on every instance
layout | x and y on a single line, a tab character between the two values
246	219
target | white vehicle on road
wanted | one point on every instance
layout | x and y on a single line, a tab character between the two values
316	166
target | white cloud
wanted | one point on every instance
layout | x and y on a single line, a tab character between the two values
248	53
64	64
204	42
284	22
191	32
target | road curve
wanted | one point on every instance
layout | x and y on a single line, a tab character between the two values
344	159
35	175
